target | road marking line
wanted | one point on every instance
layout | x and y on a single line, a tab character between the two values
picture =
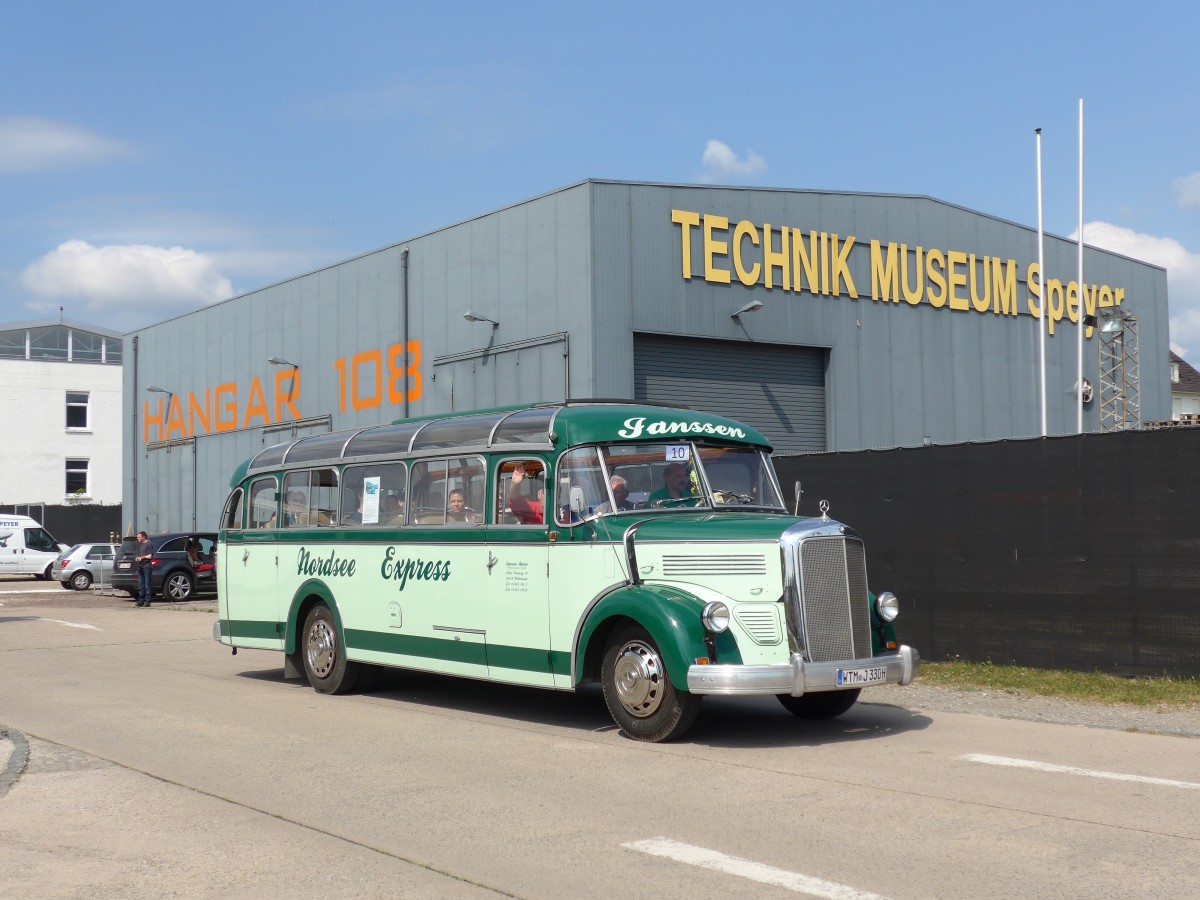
1072	770
72	624
745	868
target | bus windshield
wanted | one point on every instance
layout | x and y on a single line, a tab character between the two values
687	475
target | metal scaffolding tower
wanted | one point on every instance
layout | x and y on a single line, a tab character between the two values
1120	391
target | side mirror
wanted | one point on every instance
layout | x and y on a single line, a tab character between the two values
799	493
578	501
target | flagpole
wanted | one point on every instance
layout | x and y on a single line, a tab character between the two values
1041	292
1082	293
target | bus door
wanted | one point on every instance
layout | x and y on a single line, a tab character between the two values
517	592
251	571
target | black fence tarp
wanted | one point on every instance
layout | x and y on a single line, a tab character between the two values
81	524
1078	553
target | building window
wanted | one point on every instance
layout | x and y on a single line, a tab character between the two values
77	476
77	410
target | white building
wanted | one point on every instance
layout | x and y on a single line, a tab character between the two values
60	405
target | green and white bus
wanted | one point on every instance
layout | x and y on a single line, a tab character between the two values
644	547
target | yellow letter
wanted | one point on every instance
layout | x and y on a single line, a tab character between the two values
687	220
883	274
1053	287
229	424
175	419
1035	290
773	260
714	248
913	297
840	269
745	229
804	264
936	263
287	398
980	304
1004	286
954	260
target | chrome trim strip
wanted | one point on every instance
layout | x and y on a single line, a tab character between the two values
797	677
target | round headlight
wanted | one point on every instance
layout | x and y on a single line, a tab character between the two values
887	606
715	616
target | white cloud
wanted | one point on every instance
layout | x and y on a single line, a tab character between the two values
722	164
118	277
42	145
1187	190
1183	275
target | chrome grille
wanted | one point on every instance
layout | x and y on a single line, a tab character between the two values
761	622
676	564
833	598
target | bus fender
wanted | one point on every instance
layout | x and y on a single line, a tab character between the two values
670	615
311	588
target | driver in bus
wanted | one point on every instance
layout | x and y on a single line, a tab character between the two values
677	485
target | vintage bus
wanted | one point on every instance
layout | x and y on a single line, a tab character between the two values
644	547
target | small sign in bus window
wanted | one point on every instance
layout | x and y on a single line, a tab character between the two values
370	507
679	452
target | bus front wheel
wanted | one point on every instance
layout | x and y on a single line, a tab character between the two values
325	663
637	691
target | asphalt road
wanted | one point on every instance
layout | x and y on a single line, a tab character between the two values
141	759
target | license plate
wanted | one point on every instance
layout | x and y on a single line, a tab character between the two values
123	565
852	677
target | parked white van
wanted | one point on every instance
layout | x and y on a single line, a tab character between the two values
26	548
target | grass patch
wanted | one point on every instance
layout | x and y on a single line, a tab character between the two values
1094	687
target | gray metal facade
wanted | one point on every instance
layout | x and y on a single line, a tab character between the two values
576	279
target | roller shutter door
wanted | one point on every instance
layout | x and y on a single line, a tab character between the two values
779	390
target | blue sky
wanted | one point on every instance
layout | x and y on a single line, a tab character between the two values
158	156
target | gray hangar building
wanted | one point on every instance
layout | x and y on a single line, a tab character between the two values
830	321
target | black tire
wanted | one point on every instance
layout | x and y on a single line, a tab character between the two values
321	648
66	585
177	586
824	705
81	580
638	692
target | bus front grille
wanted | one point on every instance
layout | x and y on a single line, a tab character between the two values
834	610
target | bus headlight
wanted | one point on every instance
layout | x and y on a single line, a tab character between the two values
887	606
715	616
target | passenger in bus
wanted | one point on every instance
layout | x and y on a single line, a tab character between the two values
458	511
296	509
528	512
676	485
392	510
620	493
354	517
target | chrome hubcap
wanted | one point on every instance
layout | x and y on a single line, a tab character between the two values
639	676
321	648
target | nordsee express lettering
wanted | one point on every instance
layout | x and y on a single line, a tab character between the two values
330	566
401	570
637	426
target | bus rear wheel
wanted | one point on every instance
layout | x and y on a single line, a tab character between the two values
325	663
637	691
825	705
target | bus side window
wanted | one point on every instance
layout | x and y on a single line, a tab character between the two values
262	506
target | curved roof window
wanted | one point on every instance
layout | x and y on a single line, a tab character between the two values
386	439
272	456
320	446
464	431
529	426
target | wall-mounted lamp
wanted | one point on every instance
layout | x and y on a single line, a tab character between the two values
1112	324
276	361
473	317
157	390
752	306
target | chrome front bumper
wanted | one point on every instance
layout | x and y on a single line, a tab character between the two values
798	677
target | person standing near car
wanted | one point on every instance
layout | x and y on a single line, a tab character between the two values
145	553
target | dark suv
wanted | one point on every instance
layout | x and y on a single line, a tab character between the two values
183	564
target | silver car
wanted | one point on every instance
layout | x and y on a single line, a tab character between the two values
83	564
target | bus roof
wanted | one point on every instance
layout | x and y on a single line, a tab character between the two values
539	427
